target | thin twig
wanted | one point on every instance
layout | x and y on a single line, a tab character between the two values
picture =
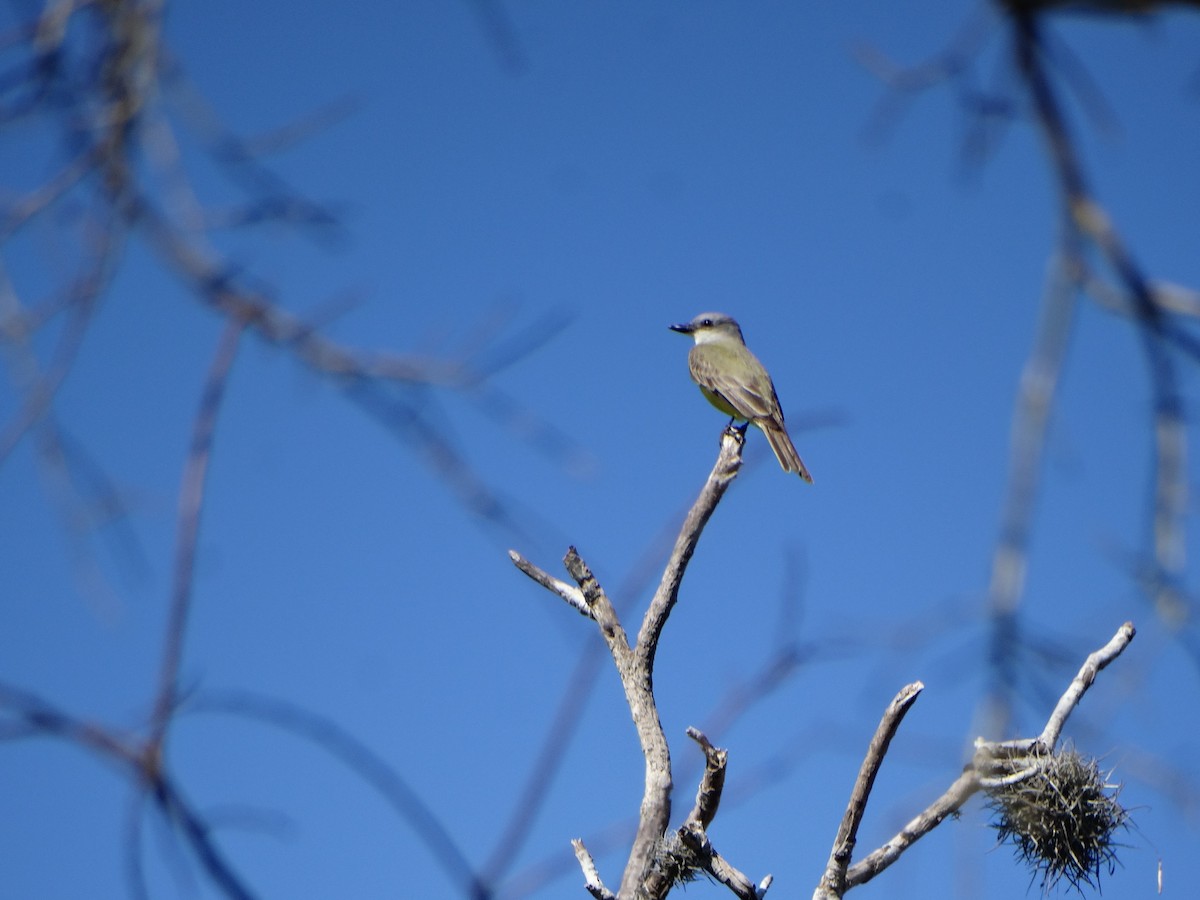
729	462
963	788
591	875
569	592
1091	667
833	882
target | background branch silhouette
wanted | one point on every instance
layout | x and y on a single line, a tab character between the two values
521	200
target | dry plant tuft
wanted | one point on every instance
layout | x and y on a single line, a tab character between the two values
1061	819
677	862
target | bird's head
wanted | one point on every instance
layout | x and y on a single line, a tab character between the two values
711	326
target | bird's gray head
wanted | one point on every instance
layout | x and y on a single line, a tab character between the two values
711	326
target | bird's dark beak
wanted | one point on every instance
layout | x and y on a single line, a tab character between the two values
685	328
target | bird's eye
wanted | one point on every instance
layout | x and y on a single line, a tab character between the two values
707	323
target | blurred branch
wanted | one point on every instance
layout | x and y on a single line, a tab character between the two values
904	83
363	762
1035	402
145	759
135	876
97	76
1095	7
106	80
1092	225
1043	68
37	386
83	495
498	27
141	761
196	830
191	502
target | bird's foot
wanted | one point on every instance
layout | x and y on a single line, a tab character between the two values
737	432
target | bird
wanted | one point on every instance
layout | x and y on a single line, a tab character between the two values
735	382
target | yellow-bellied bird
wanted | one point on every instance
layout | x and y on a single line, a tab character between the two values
735	382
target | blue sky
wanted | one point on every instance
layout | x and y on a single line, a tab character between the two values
637	164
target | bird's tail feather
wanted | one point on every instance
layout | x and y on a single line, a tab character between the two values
785	451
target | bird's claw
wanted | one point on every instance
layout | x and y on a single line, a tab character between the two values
737	432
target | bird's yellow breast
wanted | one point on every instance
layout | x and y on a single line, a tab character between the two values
719	402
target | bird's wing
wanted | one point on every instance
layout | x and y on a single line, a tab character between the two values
755	404
750	401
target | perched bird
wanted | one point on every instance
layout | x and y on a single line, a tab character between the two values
735	382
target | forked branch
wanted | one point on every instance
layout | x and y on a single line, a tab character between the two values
635	665
994	765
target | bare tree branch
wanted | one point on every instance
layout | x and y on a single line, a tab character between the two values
729	461
1091	667
689	850
570	593
579	686
963	788
708	796
637	681
635	664
833	882
591	875
774	670
694	836
993	764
